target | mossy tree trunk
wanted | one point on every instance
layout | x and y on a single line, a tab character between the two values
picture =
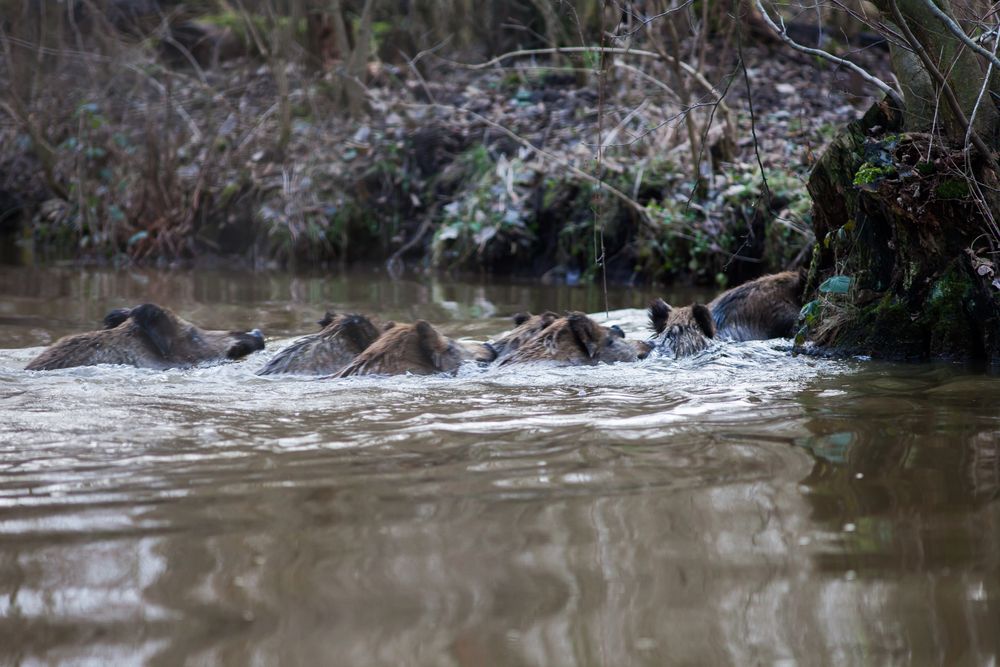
903	208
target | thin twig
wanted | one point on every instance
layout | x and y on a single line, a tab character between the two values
766	190
684	110
168	37
431	51
949	93
753	118
958	32
192	126
607	141
870	78
979	98
638	208
648	77
598	199
643	22
411	63
691	71
395	262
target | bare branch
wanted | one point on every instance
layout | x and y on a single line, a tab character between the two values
685	67
870	78
691	71
982	93
949	93
958	32
643	22
639	209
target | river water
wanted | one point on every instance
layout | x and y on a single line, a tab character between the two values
741	507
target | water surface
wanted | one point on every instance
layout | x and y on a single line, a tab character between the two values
744	506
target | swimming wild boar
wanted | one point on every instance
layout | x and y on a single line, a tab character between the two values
416	348
767	307
342	338
575	340
526	327
681	331
147	336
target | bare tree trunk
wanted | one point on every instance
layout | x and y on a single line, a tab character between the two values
918	90
940	50
358	64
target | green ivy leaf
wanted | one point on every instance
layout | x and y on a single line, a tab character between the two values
138	236
836	285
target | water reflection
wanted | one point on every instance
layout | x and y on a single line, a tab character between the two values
374	579
41	304
904	489
740	507
929	442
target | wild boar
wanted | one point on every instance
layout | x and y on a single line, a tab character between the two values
342	338
574	340
147	336
416	348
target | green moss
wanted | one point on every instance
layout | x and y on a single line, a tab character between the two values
240	24
939	327
945	315
228	192
549	193
869	173
884	325
952	188
381	30
512	80
812	278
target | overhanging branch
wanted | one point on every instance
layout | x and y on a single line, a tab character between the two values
867	76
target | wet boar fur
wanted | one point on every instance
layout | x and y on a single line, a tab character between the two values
681	331
147	336
416	348
767	307
526	327
342	338
575	340
642	348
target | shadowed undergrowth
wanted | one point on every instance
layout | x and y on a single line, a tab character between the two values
118	149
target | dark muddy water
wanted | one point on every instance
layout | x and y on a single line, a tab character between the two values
741	507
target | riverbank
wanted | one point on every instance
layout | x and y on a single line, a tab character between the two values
451	168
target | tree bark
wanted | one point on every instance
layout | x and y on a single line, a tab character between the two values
917	88
958	66
906	211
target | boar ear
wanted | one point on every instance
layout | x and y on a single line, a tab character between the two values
482	353
430	343
116	317
548	317
521	318
585	332
487	354
359	331
801	276
659	311
703	316
388	325
246	343
157	326
617	331
327	319
642	348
